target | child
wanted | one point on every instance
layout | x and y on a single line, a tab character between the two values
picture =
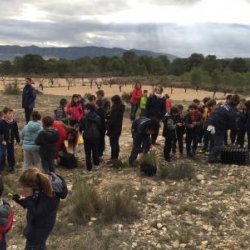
169	131
8	133
100	95
180	130
103	115
193	121
241	124
90	127
6	217
143	102
38	197
47	140
74	110
60	113
135	100
142	129
92	99
28	136
168	103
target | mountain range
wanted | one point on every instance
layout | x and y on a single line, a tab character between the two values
71	53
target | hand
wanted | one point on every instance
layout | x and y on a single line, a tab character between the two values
16	197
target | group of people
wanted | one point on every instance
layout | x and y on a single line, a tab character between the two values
43	139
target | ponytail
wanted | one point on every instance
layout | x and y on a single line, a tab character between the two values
45	184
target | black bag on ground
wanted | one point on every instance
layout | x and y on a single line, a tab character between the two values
148	169
232	155
67	160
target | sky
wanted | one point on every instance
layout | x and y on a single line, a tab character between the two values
178	27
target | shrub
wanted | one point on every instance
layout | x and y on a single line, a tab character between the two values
12	89
119	164
85	202
176	171
126	97
148	164
120	204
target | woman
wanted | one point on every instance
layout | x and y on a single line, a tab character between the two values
135	100
38	197
28	136
74	110
115	125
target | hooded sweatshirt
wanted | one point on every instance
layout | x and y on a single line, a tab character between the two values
29	135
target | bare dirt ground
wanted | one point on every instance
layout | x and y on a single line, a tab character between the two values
210	211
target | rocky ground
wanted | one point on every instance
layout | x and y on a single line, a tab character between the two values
209	211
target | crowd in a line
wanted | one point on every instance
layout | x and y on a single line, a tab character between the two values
43	140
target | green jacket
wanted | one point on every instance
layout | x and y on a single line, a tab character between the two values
143	102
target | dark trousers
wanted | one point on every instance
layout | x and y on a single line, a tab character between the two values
101	145
28	112
179	139
3	244
140	145
233	135
7	150
91	151
134	108
48	165
192	139
206	139
31	246
241	137
167	148
248	138
218	142
115	147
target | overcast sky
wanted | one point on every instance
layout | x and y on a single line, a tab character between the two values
179	27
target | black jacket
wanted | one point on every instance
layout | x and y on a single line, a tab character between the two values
115	121
47	140
90	126
9	131
103	115
41	216
169	128
197	118
139	127
155	107
223	118
28	97
248	120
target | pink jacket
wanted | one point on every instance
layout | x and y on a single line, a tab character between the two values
75	112
168	105
136	96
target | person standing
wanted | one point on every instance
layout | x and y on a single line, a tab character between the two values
28	98
135	100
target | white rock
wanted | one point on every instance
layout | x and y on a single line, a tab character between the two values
176	244
159	225
200	177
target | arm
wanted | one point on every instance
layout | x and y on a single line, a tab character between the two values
16	133
38	140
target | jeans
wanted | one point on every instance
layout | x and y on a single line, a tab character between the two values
28	112
31	159
115	147
91	151
134	108
7	150
218	142
179	139
192	139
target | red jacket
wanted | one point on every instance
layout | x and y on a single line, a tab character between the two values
168	105
136	96
75	112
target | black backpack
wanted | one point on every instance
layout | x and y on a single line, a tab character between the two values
59	185
67	160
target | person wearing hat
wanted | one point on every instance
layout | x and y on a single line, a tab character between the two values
221	120
28	98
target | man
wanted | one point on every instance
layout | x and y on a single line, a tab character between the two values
221	120
142	129
28	98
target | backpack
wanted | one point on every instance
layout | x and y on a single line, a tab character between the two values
6	223
67	160
59	185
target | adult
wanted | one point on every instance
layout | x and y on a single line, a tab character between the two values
135	100
115	120
28	98
221	120
156	108
100	95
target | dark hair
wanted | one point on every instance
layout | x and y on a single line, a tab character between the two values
48	121
206	99
74	96
1	186
174	110
36	116
116	99
91	98
180	107
100	92
193	106
145	91
196	101
99	103
28	79
210	103
63	102
228	97
7	109
234	100
137	82
90	107
153	125
167	96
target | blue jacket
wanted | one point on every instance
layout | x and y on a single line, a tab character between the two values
29	97
223	118
9	131
29	135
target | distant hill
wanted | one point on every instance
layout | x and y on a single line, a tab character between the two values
10	52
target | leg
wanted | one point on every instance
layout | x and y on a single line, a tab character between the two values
11	157
36	160
132	112
115	148
174	142
3	152
27	159
241	138
45	165
154	137
95	153
135	151
87	149
167	149
28	113
195	142
52	167
218	139
180	142
188	143
248	138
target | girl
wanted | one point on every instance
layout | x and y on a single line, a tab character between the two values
74	110
38	197
115	125
135	100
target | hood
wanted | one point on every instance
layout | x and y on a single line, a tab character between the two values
33	126
50	135
92	116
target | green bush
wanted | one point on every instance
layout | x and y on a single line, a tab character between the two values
119	164
126	97
148	164
12	89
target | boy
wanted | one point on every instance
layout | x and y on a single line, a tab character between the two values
193	121
60	113
142	129
8	133
47	140
6	217
169	131
100	95
143	101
